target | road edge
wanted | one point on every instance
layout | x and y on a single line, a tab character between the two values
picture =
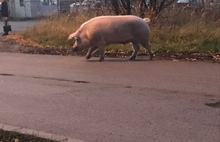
40	134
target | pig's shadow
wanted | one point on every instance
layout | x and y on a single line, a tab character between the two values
118	60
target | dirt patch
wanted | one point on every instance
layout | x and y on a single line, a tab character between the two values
10	45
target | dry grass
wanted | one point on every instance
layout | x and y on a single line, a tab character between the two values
54	30
186	31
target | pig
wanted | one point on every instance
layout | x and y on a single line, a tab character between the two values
101	31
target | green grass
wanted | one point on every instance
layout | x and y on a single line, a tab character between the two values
190	38
193	37
10	136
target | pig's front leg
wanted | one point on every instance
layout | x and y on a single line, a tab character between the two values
90	51
101	53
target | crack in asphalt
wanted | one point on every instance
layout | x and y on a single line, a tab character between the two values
59	79
46	78
6	74
214	105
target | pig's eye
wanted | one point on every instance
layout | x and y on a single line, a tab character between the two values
77	38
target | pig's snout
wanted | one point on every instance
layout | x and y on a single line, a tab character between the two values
75	48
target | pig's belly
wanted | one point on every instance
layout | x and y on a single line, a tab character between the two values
119	39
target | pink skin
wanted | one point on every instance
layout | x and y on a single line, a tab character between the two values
101	31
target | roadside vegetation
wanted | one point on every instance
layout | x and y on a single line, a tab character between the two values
10	136
175	31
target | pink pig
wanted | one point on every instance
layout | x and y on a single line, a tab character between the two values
101	31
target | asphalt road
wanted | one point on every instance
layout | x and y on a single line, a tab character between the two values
111	101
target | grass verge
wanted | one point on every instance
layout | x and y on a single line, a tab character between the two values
11	136
195	37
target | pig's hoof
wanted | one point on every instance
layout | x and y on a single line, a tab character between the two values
151	56
101	59
132	58
88	57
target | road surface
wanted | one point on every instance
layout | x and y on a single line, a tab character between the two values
111	101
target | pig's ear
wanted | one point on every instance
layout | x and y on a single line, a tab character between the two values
73	35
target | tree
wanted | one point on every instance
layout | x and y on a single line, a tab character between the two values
115	6
125	4
207	2
153	7
156	6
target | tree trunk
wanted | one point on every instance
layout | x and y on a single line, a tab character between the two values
207	3
115	6
128	7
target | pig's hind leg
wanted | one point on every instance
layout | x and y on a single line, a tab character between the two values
101	53
101	47
147	46
136	48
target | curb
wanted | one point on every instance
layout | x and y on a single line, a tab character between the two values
38	133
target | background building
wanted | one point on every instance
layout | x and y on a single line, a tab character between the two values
32	8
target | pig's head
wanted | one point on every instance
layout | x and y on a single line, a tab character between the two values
81	40
77	40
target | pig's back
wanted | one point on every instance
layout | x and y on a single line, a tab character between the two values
112	28
103	22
